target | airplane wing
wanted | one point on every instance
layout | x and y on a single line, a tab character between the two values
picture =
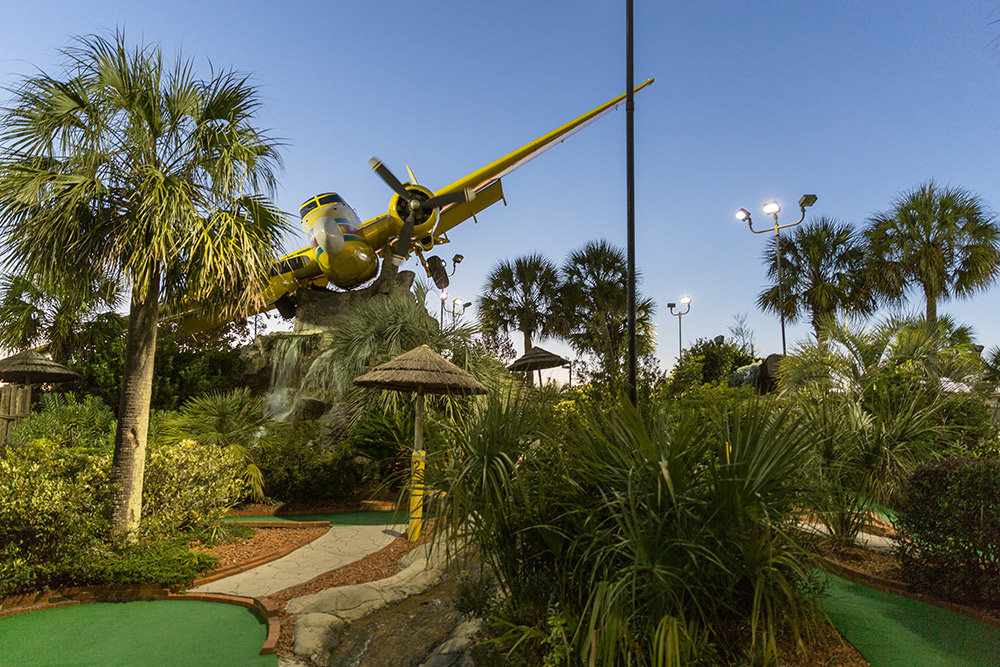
452	215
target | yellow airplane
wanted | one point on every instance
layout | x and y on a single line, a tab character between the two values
343	251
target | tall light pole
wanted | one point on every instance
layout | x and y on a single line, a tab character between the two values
773	208
686	300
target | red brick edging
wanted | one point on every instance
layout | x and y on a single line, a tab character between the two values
65	597
901	588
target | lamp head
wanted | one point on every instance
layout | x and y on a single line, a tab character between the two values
457	259
807	200
457	301
467	304
771	208
686	300
742	215
671	305
444	296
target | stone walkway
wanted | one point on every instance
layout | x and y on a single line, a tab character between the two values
339	546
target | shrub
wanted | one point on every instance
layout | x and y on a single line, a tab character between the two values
47	523
188	486
300	465
948	523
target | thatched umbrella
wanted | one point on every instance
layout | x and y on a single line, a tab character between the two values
537	359
424	371
26	368
30	367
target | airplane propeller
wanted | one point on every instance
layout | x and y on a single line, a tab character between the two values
417	202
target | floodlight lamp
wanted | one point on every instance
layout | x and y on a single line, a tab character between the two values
467	304
457	259
457	301
807	200
671	305
771	208
686	300
742	215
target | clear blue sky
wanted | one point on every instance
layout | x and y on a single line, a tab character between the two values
852	101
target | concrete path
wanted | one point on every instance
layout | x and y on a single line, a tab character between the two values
340	546
866	540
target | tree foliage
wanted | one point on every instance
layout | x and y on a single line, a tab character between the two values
942	239
822	274
129	169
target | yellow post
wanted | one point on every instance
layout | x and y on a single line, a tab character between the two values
417	462
416	496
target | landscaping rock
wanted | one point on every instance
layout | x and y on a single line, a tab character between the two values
323	615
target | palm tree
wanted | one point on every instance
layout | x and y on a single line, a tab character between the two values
140	172
941	238
593	306
67	319
518	296
822	271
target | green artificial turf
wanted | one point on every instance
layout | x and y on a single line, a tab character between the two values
163	634
891	630
368	518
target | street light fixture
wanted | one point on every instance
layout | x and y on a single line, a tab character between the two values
686	300
444	297
772	208
455	306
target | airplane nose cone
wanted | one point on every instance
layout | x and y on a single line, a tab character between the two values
328	235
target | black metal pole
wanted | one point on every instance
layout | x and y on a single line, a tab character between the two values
630	187
781	287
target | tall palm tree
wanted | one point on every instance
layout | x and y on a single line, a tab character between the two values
518	296
64	318
822	271
940	238
592	310
138	171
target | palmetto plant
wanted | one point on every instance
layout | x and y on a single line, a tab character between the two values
129	169
656	541
233	420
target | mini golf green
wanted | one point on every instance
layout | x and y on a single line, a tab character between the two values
891	630
367	518
168	633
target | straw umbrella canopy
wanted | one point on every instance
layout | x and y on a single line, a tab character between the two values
424	371
421	370
30	367
537	359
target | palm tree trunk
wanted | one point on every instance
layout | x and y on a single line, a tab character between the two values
129	462
527	346
931	318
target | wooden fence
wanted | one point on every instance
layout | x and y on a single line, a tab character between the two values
15	404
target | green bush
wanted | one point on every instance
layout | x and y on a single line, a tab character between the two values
948	523
300	465
47	524
188	486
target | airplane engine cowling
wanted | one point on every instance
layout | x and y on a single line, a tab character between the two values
399	208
